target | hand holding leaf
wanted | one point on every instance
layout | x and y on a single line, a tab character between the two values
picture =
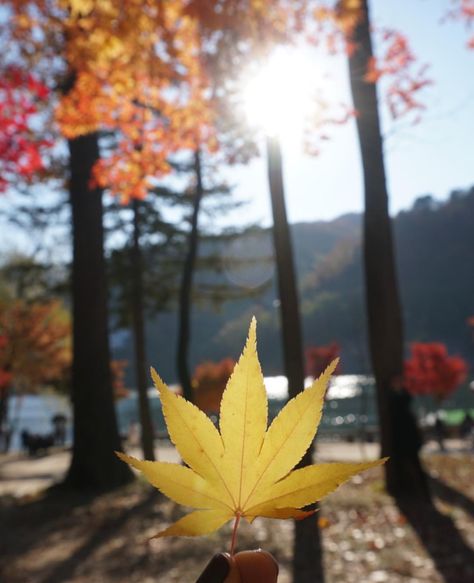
243	471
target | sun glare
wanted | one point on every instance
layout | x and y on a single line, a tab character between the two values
279	95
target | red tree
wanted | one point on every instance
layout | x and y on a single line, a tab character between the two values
318	358
431	371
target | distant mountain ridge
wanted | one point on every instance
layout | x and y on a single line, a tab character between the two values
435	256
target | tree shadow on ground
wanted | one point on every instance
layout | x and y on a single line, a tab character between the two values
61	518
450	495
452	557
106	531
31	516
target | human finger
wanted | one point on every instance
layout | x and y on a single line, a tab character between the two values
255	567
216	570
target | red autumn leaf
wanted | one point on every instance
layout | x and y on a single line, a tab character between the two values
21	150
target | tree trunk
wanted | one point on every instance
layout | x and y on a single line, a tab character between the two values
139	338
94	465
307	554
4	425
399	434
184	330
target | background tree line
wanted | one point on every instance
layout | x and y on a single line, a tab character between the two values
329	265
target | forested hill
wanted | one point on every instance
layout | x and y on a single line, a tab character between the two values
435	253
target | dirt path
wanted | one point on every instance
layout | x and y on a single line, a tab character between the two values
71	538
21	475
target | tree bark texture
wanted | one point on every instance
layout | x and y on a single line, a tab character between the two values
399	434
139	338
94	465
307	553
184	329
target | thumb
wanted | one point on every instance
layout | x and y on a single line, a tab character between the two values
253	567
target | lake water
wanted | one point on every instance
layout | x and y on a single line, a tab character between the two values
349	411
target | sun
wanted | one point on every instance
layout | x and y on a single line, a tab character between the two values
278	95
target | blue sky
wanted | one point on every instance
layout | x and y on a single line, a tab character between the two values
433	157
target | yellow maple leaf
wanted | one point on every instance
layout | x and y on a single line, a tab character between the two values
243	470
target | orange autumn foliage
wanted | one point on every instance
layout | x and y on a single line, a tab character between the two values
209	382
137	74
117	370
131	68
396	63
36	344
463	10
406	80
153	73
147	71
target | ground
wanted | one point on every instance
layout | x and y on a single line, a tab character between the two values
52	538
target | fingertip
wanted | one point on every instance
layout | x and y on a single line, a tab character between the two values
256	567
234	573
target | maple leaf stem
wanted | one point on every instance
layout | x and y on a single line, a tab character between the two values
234	534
